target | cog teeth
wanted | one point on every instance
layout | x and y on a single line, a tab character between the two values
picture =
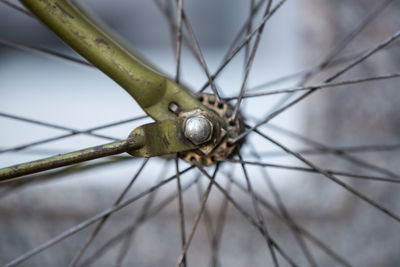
224	150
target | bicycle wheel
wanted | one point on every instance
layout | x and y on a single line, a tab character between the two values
293	201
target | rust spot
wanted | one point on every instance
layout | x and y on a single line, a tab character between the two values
101	41
64	11
165	141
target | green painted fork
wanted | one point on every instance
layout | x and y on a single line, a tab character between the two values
160	97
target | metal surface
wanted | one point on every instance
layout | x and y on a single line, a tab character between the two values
167	102
198	129
153	139
153	92
220	148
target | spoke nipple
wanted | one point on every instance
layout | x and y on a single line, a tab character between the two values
198	129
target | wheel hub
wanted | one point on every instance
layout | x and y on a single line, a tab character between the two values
224	149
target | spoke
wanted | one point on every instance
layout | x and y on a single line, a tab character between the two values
302	73
248	30
113	241
246	27
88	131
250	63
221	221
285	213
296	168
199	53
197	219
339	48
179	45
298	228
331	78
242	44
87	223
181	211
207	221
143	214
336	152
333	178
258	214
16	7
40	50
247	216
347	149
55	126
174	27
336	50
100	225
319	86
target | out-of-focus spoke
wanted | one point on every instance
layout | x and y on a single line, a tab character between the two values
336	152
100	225
221	221
181	211
319	86
142	215
296	168
88	222
250	63
333	178
117	238
199	53
59	137
179	43
247	216
44	51
16	7
284	211
330	79
242	44
197	218
298	228
259	215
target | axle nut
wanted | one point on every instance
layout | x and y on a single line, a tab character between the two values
198	129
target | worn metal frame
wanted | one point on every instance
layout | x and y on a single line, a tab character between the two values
160	97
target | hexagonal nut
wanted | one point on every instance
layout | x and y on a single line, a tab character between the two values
198	129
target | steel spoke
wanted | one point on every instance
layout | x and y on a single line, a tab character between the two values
259	216
336	152
179	43
242	44
181	211
143	214
101	223
59	137
196	219
114	240
331	78
284	211
207	221
332	178
44	51
87	223
250	63
54	126
334	172
16	7
221	221
319	86
298	228
247	216
199	53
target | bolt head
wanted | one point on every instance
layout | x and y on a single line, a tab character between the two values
198	129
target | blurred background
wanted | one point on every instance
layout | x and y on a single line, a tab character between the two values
299	36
